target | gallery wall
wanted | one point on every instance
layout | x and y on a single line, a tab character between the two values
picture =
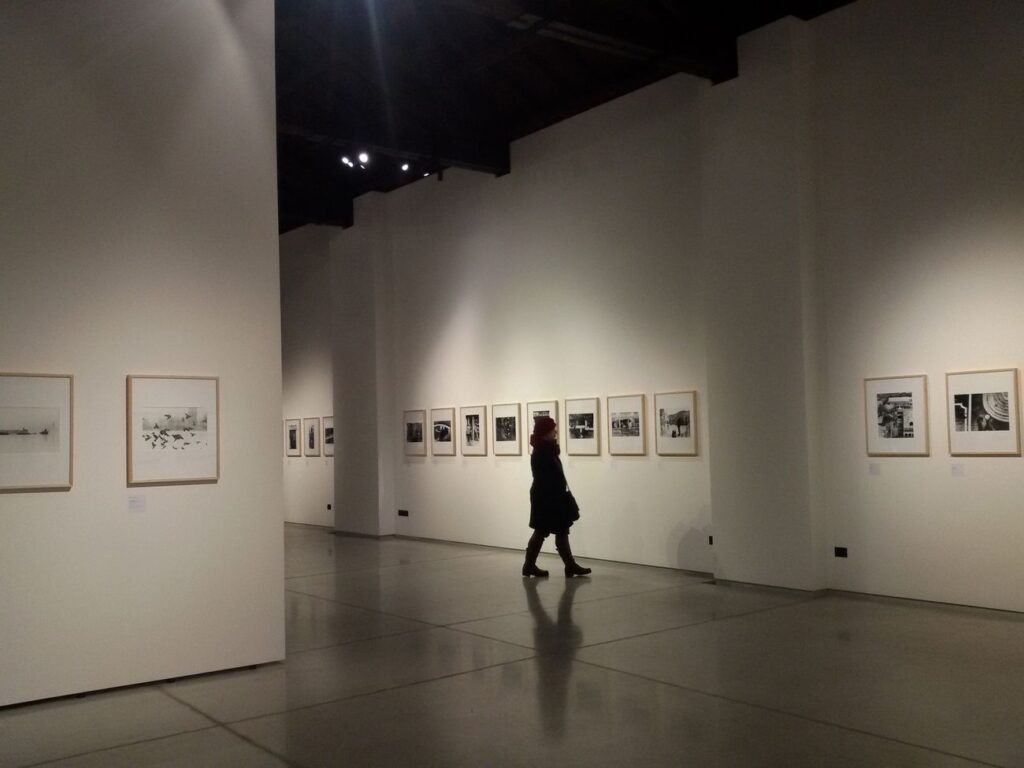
307	375
139	237
921	242
848	207
577	275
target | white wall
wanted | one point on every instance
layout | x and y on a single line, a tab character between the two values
306	364
848	207
357	273
138	236
577	275
757	202
921	240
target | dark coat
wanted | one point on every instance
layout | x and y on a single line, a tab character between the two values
548	512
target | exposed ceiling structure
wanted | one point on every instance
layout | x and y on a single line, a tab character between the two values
424	85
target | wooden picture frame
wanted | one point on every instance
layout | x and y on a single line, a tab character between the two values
581	434
473	425
535	409
896	415
982	410
507	429
311	436
292	437
173	425
36	432
414	428
675	423
328	436
442	431
627	425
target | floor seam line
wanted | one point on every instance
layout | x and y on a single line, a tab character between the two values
225	726
388	689
368	610
88	752
787	713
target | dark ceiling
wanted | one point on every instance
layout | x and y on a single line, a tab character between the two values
434	84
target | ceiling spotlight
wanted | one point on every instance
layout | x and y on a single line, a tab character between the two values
346	161
426	174
405	166
364	158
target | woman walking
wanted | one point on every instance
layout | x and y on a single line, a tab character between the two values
552	507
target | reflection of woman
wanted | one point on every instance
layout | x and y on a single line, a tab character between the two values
555	643
551	507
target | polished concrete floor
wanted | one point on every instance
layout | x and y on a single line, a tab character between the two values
411	653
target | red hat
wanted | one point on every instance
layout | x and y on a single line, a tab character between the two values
542	425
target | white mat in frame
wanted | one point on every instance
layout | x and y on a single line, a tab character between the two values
173	429
36	432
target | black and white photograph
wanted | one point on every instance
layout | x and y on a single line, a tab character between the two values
537	408
626	432
174	431
507	434
581	433
473	419
581	425
35	432
472	434
676	416
29	430
983	413
673	424
442	426
292	437
170	428
413	432
626	424
328	435
505	429
311	436
896	415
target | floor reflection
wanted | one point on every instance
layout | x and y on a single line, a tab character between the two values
556	641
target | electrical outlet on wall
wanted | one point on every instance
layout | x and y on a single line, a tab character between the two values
403	513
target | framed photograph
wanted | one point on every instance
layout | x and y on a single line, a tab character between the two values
413	423
173	430
896	415
675	417
473	425
311	436
627	432
292	437
507	438
36	437
534	411
581	433
982	411
328	435
442	431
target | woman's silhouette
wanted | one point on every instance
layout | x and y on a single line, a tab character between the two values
552	507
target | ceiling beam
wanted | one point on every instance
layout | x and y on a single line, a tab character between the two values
714	59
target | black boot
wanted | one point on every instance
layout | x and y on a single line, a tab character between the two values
532	550
572	568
